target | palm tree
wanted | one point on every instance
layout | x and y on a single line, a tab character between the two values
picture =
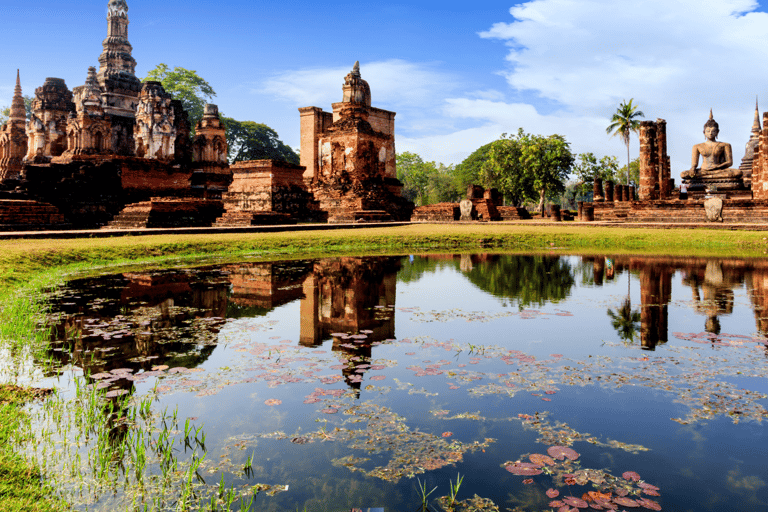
623	123
625	320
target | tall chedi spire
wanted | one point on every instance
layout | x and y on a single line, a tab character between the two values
13	137
18	112
749	150
116	64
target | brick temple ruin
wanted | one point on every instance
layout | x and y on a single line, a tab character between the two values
733	195
118	153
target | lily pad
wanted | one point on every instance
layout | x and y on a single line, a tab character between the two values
552	493
625	502
524	469
630	475
562	453
541	460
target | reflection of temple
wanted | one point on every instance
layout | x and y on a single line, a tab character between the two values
141	319
655	294
349	295
712	284
257	288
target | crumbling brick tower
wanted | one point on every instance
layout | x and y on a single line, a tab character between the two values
13	137
349	157
760	164
655	178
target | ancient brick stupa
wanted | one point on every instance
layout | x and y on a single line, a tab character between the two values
349	157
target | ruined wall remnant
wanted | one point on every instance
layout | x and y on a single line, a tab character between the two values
760	164
655	176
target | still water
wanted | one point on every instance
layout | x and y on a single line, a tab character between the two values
547	382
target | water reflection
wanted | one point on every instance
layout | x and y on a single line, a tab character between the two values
712	283
142	320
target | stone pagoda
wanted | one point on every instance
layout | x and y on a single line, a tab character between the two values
13	137
349	156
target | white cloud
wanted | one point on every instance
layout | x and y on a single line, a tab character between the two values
676	59
395	83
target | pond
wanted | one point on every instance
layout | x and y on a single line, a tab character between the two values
537	382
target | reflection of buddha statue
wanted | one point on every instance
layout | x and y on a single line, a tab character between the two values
716	157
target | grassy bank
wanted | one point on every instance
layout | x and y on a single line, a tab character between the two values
28	267
21	486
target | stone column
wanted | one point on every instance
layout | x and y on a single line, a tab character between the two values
760	166
555	209
608	191
598	270
597	191
581	210
632	195
662	159
588	214
618	193
649	184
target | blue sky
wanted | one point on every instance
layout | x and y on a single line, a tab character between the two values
457	74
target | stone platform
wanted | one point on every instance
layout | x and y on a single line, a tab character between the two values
677	211
21	215
166	212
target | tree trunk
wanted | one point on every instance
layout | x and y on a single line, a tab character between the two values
627	162
541	200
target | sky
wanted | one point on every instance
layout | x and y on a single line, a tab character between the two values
458	74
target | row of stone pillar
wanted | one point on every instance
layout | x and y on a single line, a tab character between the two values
618	193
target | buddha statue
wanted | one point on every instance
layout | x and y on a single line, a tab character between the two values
716	157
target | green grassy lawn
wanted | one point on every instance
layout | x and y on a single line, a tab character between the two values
28	267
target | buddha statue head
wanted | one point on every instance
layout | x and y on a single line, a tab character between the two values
711	128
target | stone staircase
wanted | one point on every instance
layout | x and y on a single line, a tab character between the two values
167	213
23	214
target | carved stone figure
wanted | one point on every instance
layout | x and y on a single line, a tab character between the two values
713	208
716	157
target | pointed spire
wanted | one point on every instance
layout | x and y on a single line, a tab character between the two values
17	106
710	115
756	122
356	68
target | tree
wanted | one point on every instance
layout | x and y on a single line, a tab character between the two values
547	160
413	172
504	170
589	168
623	123
525	166
625	320
470	170
6	112
248	140
184	85
634	171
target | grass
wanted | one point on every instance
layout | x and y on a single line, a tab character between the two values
29	267
21	485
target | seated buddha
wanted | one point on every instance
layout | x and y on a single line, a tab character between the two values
716	157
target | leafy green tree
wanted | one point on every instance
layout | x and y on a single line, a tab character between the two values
504	169
623	122
184	85
528	167
413	172
634	171
470	170
6	112
249	140
589	167
425	182
548	160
